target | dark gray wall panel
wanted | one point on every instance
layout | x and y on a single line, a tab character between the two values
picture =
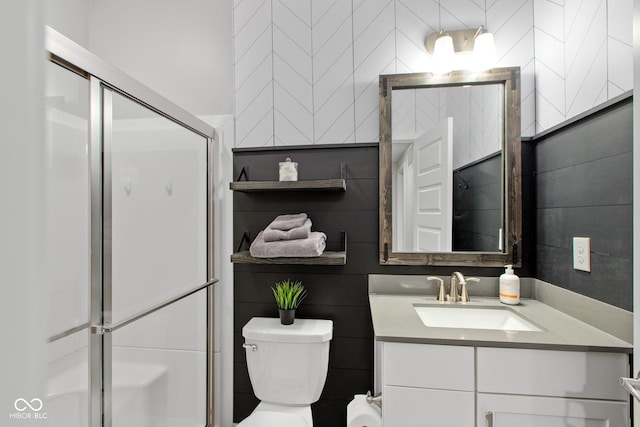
611	236
597	137
584	189
609	280
600	182
263	164
529	206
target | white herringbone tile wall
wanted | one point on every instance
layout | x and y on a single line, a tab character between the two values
584	56
253	73
306	71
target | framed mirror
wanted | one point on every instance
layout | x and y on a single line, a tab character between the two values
450	168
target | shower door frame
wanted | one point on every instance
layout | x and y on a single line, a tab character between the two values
103	78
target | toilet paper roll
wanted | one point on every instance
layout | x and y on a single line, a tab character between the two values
362	414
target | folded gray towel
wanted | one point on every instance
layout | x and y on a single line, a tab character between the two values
287	222
310	247
273	235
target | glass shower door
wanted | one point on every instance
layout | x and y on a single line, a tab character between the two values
154	267
66	246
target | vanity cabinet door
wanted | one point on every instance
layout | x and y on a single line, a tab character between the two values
422	407
583	375
495	410
447	367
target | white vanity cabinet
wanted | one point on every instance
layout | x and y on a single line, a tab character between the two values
444	385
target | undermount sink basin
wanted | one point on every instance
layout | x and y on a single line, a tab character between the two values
496	318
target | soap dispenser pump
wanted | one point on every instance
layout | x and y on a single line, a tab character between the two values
509	287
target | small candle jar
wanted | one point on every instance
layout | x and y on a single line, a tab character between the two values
288	170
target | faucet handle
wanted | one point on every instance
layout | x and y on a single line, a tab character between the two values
464	294
441	292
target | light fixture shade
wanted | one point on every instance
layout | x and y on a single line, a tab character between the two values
443	54
484	52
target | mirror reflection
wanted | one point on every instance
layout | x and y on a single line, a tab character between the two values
447	168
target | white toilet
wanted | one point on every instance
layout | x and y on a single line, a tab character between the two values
287	367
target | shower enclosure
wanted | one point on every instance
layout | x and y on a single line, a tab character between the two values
129	246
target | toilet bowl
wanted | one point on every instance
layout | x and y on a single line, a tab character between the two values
267	414
287	367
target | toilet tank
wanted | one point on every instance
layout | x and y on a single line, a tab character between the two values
287	363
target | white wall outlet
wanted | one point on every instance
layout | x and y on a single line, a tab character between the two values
582	253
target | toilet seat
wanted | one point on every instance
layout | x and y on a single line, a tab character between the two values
268	415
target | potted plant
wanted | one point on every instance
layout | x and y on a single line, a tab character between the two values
288	296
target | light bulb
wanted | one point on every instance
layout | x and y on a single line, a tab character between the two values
442	55
484	52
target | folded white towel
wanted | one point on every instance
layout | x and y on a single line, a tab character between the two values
310	247
287	222
302	232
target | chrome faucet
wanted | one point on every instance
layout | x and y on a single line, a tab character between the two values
456	277
454	296
463	296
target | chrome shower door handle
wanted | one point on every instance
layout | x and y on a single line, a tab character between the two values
489	419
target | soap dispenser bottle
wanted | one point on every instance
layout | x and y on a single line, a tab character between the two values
509	287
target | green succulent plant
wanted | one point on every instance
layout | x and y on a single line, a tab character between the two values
289	294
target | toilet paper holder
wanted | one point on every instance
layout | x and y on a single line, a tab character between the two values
632	385
374	400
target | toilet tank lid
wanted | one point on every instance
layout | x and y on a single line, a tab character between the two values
302	331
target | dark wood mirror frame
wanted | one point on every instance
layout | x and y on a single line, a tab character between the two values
510	78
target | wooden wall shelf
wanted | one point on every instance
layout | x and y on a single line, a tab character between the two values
338	184
327	258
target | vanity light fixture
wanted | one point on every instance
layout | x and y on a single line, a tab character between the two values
448	48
